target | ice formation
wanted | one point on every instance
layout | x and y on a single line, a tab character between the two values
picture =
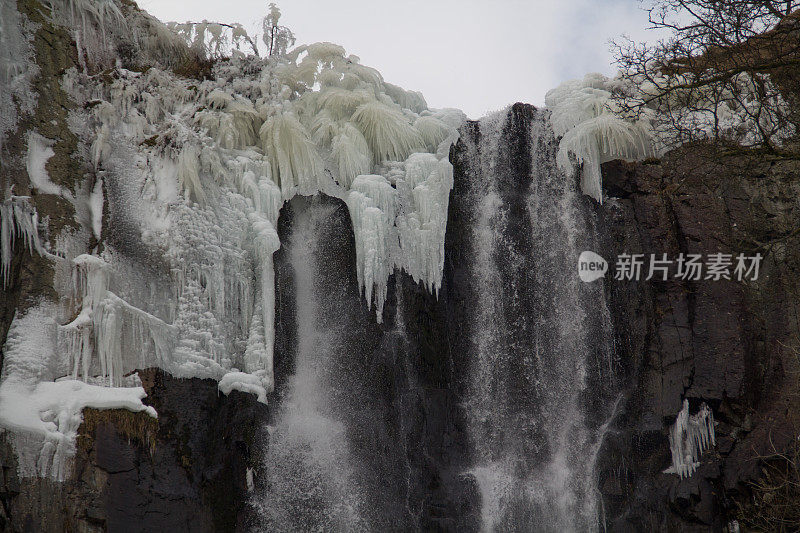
198	171
590	115
106	323
18	220
41	412
593	131
45	419
243	382
689	437
16	68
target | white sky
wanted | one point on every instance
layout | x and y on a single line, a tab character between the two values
477	56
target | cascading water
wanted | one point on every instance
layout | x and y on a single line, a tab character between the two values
368	432
334	458
539	337
310	485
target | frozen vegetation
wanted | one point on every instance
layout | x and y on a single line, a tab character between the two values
592	130
199	170
593	117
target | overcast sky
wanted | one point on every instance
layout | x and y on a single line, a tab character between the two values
477	56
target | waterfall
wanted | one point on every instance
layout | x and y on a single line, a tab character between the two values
539	344
482	408
334	457
310	479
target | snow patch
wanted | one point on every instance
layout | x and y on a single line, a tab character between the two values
44	419
243	382
40	150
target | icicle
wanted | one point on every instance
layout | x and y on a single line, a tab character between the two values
433	131
17	219
295	161
101	147
591	132
265	243
189	173
105	318
689	437
424	195
371	232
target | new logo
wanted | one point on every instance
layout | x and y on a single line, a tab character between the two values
591	266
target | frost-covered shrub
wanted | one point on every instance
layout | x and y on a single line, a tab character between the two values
592	131
351	154
389	135
214	39
294	158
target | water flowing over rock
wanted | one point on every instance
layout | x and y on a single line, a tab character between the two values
536	341
281	294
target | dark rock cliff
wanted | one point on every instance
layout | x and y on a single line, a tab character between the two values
187	471
730	344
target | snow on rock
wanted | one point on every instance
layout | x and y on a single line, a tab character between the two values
244	382
689	437
39	151
44	419
42	415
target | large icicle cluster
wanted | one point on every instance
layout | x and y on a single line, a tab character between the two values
200	170
593	131
689	437
42	410
109	336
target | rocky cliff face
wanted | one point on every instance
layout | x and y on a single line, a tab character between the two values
727	343
187	471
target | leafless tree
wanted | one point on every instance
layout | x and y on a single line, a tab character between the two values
727	70
277	38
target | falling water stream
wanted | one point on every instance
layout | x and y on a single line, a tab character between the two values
310	482
533	345
533	364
